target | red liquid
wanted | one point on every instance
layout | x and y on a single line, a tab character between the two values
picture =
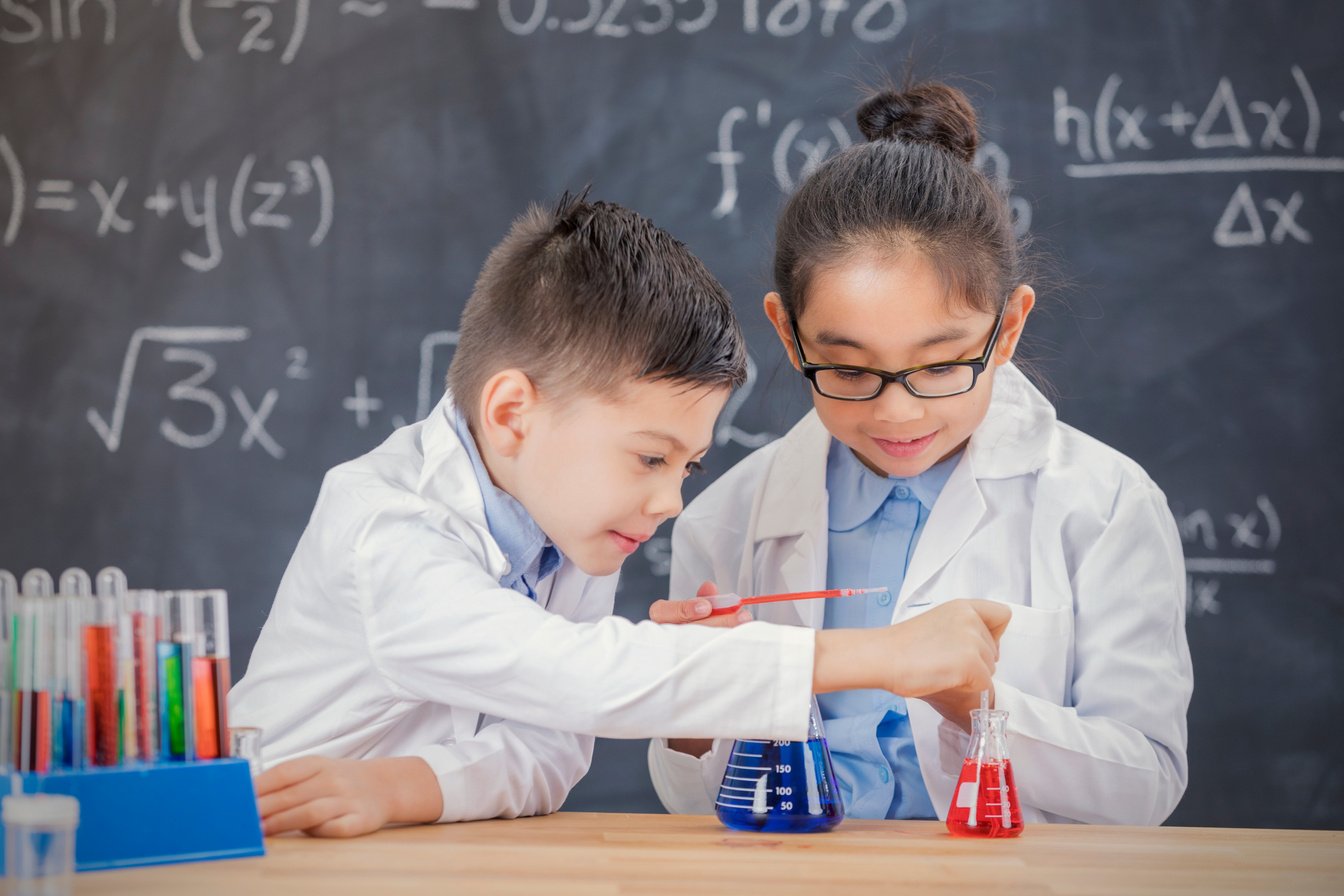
144	635
100	657
995	789
32	731
210	687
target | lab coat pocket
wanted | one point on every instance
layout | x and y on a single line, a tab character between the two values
1034	651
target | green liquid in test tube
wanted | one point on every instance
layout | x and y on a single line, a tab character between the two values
176	722
9	593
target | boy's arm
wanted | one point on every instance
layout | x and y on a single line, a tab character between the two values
506	770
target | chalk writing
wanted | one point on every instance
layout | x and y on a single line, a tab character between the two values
250	199
1282	132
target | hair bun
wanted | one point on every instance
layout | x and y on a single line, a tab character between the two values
927	113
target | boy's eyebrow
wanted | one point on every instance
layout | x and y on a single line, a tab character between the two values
670	439
950	333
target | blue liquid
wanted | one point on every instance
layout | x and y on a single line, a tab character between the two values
779	787
69	742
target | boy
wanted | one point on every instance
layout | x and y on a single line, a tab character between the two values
441	647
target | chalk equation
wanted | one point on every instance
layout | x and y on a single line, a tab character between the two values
1226	132
250	199
796	146
279	28
1239	542
198	395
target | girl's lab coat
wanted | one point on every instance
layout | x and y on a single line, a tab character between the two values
1094	669
390	636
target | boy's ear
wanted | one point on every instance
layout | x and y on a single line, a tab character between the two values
507	402
774	309
1015	315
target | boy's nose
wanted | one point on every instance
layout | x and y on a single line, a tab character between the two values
665	502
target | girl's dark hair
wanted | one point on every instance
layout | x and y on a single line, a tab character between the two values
913	185
591	295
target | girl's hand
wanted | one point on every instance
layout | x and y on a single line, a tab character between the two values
677	612
346	797
952	647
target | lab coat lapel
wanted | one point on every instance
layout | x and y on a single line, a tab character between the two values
790	528
954	517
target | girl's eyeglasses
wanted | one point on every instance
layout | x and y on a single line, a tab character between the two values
939	380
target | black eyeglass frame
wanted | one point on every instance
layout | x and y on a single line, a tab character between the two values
977	366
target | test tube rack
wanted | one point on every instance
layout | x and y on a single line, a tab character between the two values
155	814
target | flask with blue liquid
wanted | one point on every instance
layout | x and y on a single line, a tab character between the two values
781	786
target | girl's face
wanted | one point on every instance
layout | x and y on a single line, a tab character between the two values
892	314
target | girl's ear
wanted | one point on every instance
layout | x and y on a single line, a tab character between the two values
1015	315
508	401
774	309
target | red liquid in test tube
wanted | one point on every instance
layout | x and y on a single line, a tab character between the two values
100	657
210	676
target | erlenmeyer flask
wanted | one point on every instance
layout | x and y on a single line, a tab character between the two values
781	785
984	803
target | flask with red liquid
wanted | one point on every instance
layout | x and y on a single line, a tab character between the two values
984	803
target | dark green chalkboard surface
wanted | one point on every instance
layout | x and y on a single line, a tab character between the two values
236	235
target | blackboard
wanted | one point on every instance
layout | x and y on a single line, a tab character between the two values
236	235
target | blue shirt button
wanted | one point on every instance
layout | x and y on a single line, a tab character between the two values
902	492
884	598
884	774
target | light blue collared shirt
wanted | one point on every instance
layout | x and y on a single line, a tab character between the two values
875	523
530	553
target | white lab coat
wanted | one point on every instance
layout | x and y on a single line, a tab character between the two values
1094	668
390	636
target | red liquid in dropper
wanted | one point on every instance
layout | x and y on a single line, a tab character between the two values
996	788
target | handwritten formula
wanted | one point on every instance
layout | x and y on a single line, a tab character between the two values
1231	131
298	193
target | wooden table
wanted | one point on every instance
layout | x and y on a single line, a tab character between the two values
599	853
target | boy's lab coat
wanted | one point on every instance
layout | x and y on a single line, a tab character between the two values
390	636
1094	669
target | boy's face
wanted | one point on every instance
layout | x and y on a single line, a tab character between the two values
600	474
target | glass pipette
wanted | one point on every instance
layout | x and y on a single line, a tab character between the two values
724	604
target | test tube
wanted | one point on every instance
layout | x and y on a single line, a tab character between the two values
9	593
210	675
111	582
69	722
100	656
143	609
176	640
32	674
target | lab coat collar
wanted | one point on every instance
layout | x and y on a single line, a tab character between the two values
449	487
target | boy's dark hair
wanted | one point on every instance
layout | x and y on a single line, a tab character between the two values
913	185
588	296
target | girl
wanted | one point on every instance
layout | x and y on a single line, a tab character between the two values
932	466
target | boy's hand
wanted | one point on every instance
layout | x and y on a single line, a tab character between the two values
954	646
346	797
677	612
